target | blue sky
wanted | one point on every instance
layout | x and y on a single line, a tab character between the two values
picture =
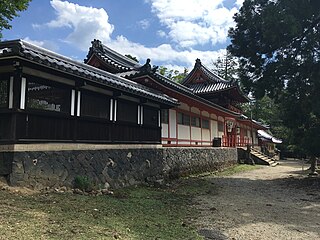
172	33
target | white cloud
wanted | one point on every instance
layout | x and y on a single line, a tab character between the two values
86	23
45	44
163	54
144	24
196	22
161	33
192	26
239	3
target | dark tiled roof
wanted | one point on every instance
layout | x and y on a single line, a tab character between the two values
201	88
135	70
213	83
175	87
111	57
53	60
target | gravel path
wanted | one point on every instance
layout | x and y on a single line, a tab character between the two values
267	203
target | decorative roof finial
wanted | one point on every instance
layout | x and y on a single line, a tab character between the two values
96	44
147	67
198	63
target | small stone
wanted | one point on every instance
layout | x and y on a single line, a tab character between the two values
158	183
77	191
106	185
4	188
104	191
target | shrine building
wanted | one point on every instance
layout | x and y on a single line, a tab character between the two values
209	110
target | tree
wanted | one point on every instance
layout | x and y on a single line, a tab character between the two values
8	10
267	111
132	58
278	46
173	75
226	67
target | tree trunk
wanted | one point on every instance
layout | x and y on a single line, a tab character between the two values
313	167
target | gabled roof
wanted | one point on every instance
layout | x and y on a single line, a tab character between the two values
146	70
268	137
135	70
203	81
210	76
46	58
111	57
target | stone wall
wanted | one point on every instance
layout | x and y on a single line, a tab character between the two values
118	165
185	161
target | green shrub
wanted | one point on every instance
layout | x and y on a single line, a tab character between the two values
83	183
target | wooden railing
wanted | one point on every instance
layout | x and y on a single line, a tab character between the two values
22	126
235	141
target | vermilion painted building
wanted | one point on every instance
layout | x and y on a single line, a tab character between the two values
209	105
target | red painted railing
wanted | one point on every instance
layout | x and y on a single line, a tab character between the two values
235	141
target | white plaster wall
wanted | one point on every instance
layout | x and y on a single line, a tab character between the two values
205	114
213	116
195	110
195	133
248	133
173	123
183	132
214	128
206	135
184	106
164	130
221	119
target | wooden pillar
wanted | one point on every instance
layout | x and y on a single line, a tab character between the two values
16	98
75	111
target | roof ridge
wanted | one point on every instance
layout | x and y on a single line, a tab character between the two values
97	45
24	48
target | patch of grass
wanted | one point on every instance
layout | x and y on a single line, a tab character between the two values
131	213
83	183
140	213
238	168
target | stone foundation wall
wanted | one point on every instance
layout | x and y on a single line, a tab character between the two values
119	165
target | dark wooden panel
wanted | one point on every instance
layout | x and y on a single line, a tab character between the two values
90	129
46	127
57	127
5	126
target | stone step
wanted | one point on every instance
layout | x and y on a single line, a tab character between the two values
264	158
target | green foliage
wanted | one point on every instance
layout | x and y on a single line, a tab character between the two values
84	183
132	58
226	67
8	10
173	75
267	111
278	44
239	168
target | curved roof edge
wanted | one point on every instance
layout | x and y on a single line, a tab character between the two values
47	58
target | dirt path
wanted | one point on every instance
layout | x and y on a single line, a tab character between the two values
267	203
